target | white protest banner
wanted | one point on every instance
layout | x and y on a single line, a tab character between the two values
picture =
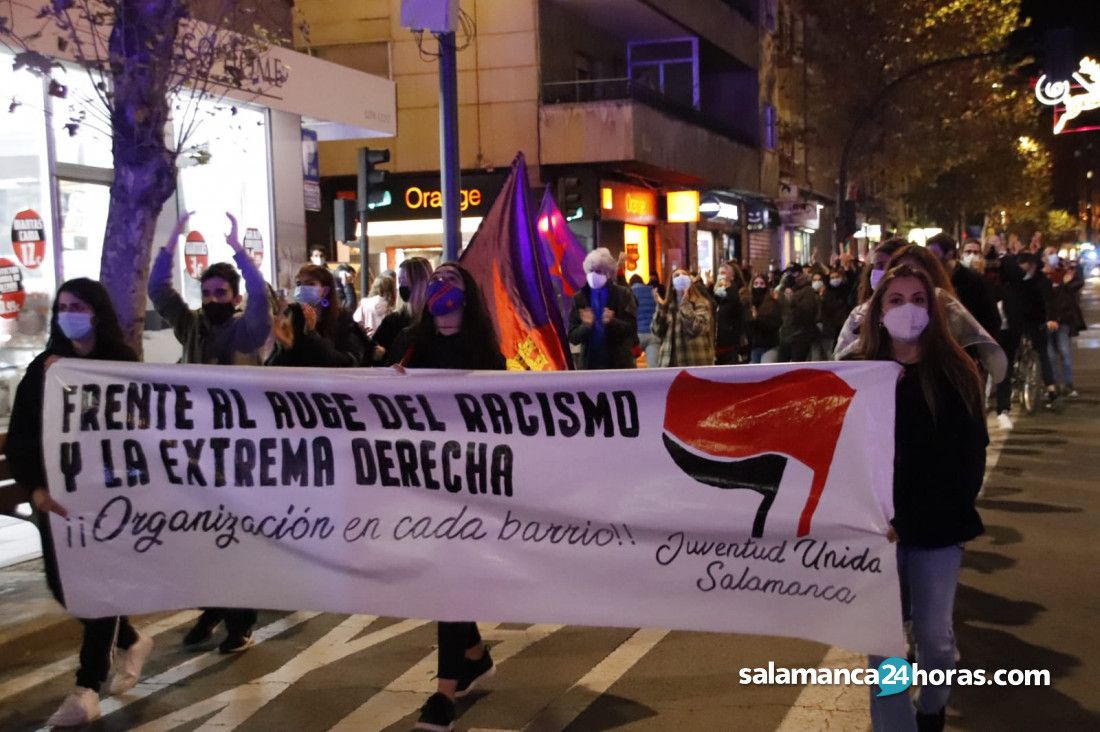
750	499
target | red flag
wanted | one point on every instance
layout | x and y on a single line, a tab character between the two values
799	413
505	258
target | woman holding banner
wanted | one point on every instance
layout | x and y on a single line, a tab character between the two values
453	332
83	325
939	414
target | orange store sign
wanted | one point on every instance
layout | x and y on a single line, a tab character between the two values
632	204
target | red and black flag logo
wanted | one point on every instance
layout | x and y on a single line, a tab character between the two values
739	436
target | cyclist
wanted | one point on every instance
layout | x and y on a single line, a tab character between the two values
1035	301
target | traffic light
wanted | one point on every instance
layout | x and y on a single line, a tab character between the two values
371	192
570	199
344	218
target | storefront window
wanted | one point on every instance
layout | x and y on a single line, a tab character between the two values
224	167
81	127
84	220
27	263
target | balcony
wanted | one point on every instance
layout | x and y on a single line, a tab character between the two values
616	120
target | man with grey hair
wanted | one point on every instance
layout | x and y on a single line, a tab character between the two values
603	319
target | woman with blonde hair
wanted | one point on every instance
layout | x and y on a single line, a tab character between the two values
413	275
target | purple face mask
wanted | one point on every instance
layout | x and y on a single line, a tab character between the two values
444	298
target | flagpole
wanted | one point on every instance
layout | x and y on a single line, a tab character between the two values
449	169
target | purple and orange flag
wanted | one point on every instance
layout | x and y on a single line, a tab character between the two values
507	259
564	254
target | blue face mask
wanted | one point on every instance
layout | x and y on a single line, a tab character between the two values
443	298
75	326
309	295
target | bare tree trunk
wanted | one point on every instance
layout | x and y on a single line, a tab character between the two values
141	63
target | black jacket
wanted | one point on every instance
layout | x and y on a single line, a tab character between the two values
348	347
939	465
620	332
1035	301
1065	301
835	308
445	352
23	448
801	314
764	322
974	294
729	319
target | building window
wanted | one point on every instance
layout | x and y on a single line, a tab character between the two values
669	67
771	127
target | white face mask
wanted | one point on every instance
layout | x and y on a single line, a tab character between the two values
876	277
906	322
817	285
319	261
681	282
970	259
596	280
1053	260
835	282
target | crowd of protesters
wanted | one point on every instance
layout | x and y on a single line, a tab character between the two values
953	318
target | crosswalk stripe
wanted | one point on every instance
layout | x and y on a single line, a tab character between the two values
408	692
235	706
561	713
192	666
69	663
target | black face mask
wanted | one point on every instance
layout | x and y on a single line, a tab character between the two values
405	292
758	295
218	312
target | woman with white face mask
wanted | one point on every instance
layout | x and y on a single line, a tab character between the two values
684	321
83	325
939	461
602	319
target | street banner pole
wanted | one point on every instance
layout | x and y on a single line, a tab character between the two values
449	170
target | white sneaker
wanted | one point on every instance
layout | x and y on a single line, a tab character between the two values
129	663
80	707
1004	421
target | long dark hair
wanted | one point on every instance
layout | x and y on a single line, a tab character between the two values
108	333
928	261
480	346
943	363
327	315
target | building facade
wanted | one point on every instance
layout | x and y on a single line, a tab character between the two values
247	155
615	104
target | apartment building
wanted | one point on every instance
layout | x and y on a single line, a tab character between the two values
615	103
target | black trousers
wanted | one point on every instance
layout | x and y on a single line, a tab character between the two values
238	621
795	350
101	635
1009	341
454	640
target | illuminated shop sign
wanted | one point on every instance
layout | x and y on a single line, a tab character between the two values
1072	97
407	197
632	204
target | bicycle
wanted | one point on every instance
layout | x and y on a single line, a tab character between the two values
1027	377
